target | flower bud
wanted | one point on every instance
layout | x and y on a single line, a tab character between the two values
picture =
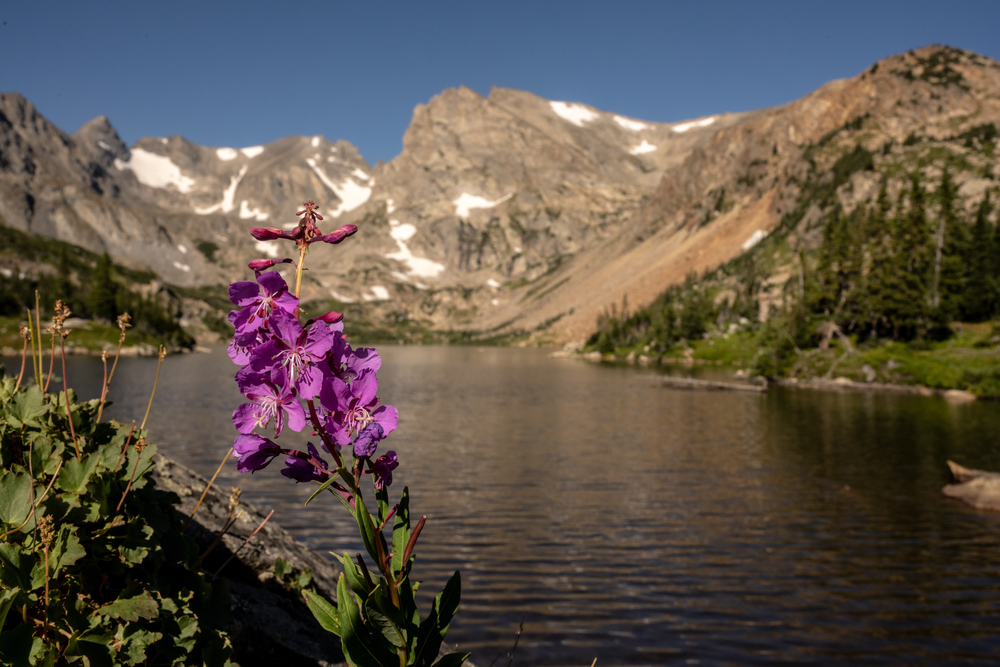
337	235
265	233
330	318
264	263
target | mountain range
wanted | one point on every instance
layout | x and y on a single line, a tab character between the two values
503	215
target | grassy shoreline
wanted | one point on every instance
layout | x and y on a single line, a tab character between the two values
968	361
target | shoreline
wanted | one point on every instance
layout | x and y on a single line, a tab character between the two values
952	395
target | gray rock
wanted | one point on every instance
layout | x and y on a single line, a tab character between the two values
978	488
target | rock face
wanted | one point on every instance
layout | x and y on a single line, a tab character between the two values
270	623
502	213
978	488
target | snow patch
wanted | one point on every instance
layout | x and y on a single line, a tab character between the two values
103	145
416	266
6	273
252	151
495	302
315	141
163	141
156	171
379	293
644	147
183	267
246	213
492	283
351	194
182	249
228	195
269	248
629	124
754	239
400	276
226	154
340	297
420	286
362	175
331	159
389	206
684	127
575	113
466	202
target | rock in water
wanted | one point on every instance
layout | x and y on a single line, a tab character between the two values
978	488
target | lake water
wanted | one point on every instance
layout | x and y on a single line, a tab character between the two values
642	525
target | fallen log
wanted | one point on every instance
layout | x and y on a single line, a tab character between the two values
978	488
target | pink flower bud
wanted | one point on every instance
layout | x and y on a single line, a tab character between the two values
265	233
337	235
261	264
330	318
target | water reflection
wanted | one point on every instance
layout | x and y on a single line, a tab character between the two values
622	520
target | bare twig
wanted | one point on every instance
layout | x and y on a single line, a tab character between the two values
140	445
230	522
163	353
207	487
128	441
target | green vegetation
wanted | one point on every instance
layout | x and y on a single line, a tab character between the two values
875	296
94	565
92	285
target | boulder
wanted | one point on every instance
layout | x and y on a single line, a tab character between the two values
978	488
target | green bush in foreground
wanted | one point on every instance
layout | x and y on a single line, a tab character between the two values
94	567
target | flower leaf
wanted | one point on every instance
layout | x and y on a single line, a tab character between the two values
401	530
15	498
435	626
324	611
356	640
364	520
132	609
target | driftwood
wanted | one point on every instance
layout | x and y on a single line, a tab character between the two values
710	385
978	488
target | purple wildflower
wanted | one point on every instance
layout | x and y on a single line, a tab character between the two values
294	351
354	406
270	399
367	440
254	452
258	300
382	469
301	469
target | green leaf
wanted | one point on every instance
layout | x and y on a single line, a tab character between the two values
355	577
401	530
385	618
65	550
6	600
364	520
137	643
322	487
359	647
138	542
15	499
281	568
132	609
15	646
434	628
452	660
44	456
26	408
323	611
75	474
15	567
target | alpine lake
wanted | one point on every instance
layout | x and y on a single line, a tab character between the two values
622	520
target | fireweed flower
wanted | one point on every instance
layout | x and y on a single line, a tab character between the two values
367	440
271	398
258	300
347	363
382	469
254	452
294	351
352	407
301	470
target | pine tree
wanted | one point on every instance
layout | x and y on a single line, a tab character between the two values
979	300
950	254
101	301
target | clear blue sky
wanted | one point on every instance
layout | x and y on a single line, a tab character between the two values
245	73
